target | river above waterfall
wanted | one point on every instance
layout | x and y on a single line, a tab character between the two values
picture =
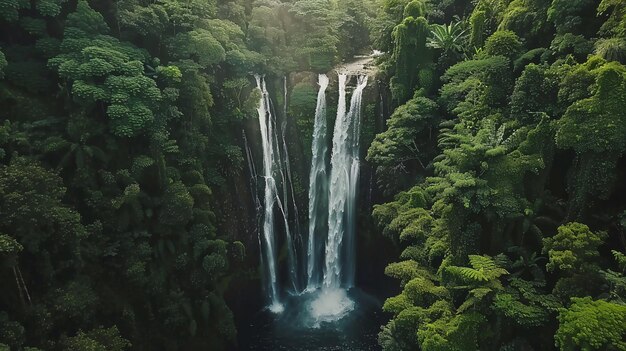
360	65
293	330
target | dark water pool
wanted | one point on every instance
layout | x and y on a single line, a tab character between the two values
292	330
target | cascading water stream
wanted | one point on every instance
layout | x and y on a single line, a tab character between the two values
344	167
354	117
336	203
270	162
267	249
333	302
283	204
318	189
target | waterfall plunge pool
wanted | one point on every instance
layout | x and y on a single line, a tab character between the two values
317	321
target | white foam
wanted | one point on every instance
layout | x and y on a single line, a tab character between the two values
330	306
276	308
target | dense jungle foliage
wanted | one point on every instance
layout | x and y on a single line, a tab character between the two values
121	123
511	211
502	166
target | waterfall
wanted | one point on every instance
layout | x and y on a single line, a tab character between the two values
318	189
336	203
354	117
271	161
333	302
284	170
343	181
330	262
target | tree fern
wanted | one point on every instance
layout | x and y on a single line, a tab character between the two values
483	269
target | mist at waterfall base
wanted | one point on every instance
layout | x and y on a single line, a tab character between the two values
291	330
317	307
